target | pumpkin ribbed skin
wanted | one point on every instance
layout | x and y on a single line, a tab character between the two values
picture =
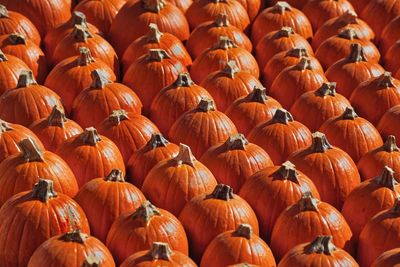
390	35
273	189
11	68
388	125
390	63
389	258
183	5
253	7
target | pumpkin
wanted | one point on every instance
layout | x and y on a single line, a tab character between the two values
208	33
340	46
154	39
57	251
253	7
128	131
136	231
374	238
286	59
174	182
105	199
55	129
277	16
230	246
10	69
331	169
296	80
22	171
271	190
304	221
248	111
28	101
334	25
243	265
141	13
283	39
389	62
388	123
174	100
160	254
390	35
75	74
144	159
90	155
235	160
320	252
183	5
202	127
150	73
320	11
14	22
45	15
95	103
216	57
323	103
387	259
208	215
17	45
349	72
228	84
353	134
42	213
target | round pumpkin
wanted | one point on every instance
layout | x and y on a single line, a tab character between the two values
11	68
183	5
389	258
388	125
390	63
390	35
252	7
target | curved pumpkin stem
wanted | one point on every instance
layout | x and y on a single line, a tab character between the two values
117	116
282	116
3	57
157	140
221	20
85	57
284	32
320	143
221	191
390	144
157	55
30	150
92	261
17	39
244	230
185	156
327	88
184	80
154	35
154	6
26	79
115	176
387	178
231	68
357	53
3	11
206	105
224	43
287	171
57	117
308	202
304	64
281	7
99	79
90	136
145	212
236	142
348	33
43	190
160	251
349	114
78	18
349	17
74	236
385	80
4	126
259	94
297	52
81	33
321	245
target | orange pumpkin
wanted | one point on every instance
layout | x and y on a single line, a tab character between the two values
390	35
183	5
271	190
299	4
388	125
390	63
10	69
359	5
136	231
43	213
353	134
252	7
389	258
218	212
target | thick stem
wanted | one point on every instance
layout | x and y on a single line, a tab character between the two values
157	55
30	150
327	88
390	144
117	116
184	80
43	190
224	43
349	17
222	191
90	136
396	206
308	202
320	143
4	126
3	57
387	178
57	117
145	212
259	94
154	35
3	11
153	5
349	114
99	79
115	176
157	140
206	105
26	79
185	156
78	18
287	171
281	6
236	142
321	245
284	32
385	80
348	33
298	52
85	57
357	53
17	39
74	236
304	64
160	251
231	68
221	20
282	116
244	230
81	33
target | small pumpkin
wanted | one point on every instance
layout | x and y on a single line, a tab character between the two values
136	231
390	35
11	68
388	259
252	7
388	125
230	244
390	63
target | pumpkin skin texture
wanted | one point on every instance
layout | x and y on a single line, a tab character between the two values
150	73
154	39
388	124
208	33
30	218
370	198
57	251
349	72
134	232
304	221
21	172
91	155
11	68
389	258
174	182
230	244
160	254
373	241
391	64
248	111
280	136
271	190
390	35
333	172
296	80
278	16
299	4
228	84
55	129
235	160
216	57
319	253
208	215
140	13
144	159
105	199
202	127
174	100
253	7
314	108
353	134
183	5
28	101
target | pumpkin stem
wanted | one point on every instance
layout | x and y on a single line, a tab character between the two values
91	261
396	206
74	236
357	53
349	114
282	116
160	251
259	94
30	150
349	17
185	156
308	202
157	55
57	117
154	35
3	11
322	244
224	43
3	56
236	142
115	176
281	6
26	79
348	33
385	80
390	144
327	88
117	116
244	230
43	190
320	143
231	68
4	126
304	64
85	57
90	136
284	32
17	39
221	20
81	33
78	18
221	191
146	211
157	140
99	79
387	178
184	80
287	171
154	6
205	105
297	52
